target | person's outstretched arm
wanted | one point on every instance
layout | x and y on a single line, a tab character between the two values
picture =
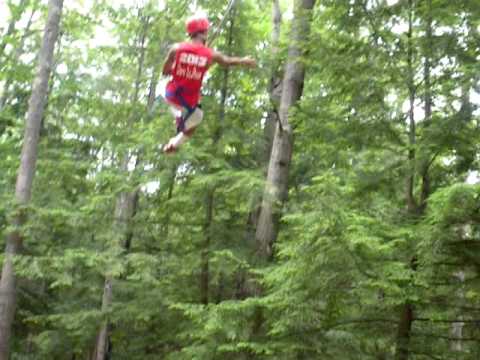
167	65
224	60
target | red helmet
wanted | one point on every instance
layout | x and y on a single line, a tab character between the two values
197	23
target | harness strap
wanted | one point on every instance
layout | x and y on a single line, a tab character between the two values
177	94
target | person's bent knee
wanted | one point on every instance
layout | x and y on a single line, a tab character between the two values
194	120
190	131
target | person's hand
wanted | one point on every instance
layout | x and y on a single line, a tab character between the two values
249	62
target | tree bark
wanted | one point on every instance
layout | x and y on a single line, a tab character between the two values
125	207
275	92
407	311
11	26
410	197
205	254
404	331
456	330
275	87
276	188
26	173
210	198
428	102
18	53
171	186
102	347
415	208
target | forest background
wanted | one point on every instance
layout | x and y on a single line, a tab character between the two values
326	208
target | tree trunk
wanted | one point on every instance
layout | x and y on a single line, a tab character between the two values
275	91
205	263
276	187
428	102
11	26
125	207
26	172
410	197
171	186
415	208
404	330
456	330
407	311
220	288
209	201
275	87
18	52
102	348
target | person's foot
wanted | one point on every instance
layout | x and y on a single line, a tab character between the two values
169	149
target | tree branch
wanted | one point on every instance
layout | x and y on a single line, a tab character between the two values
443	337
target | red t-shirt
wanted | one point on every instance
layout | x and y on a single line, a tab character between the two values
192	61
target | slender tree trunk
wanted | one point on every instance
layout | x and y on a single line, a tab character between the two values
11	26
44	127
415	209
224	90
152	88
8	82
26	173
411	204
171	186
428	101
210	197
404	330
219	296
427	69
407	311
276	189
205	261
18	53
124	212
102	348
125	207
275	87
456	330
275	92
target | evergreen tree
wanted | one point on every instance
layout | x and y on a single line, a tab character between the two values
358	240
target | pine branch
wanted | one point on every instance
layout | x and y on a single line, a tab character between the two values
447	321
443	337
426	354
363	320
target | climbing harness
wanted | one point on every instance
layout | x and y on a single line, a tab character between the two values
194	113
177	94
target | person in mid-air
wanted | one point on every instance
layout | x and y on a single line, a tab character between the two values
187	64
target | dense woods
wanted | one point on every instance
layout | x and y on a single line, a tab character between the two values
328	206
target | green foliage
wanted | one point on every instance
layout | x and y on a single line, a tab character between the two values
350	253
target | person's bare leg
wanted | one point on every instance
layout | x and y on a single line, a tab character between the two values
175	142
190	126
